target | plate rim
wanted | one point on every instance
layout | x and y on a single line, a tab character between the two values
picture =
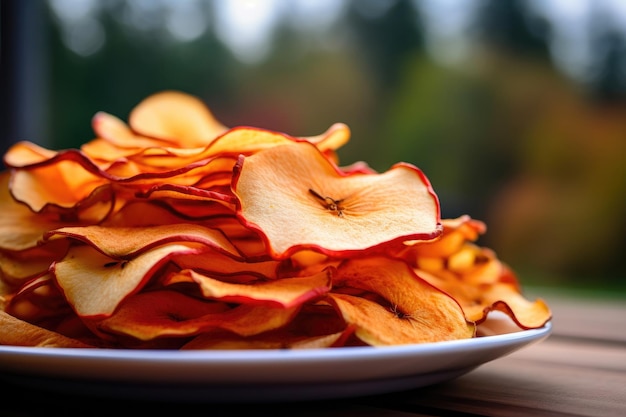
475	343
301	374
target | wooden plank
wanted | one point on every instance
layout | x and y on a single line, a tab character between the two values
549	379
586	318
579	354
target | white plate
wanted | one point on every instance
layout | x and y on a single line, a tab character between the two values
254	375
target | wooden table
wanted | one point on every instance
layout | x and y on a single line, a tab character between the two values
580	370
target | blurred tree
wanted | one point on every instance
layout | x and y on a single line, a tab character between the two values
387	34
511	27
556	212
608	84
562	214
386	37
438	121
455	122
130	66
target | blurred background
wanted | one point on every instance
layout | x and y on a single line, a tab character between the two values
515	110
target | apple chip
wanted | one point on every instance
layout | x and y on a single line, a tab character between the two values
285	292
456	232
475	276
124	242
17	268
278	340
526	313
165	313
169	192
115	132
23	154
334	138
18	332
316	325
64	184
414	311
143	213
218	263
38	301
108	281
176	117
21	227
328	210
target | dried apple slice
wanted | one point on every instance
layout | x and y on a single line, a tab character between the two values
21	227
196	210
70	177
127	163
117	133
154	314
186	120
124	242
17	332
201	163
284	292
248	140
252	247
279	340
142	213
177	117
18	267
61	183
37	300
214	262
186	192
377	325
328	210
317	325
105	154
417	312
83	199
24	153
474	275
41	304
95	284
456	232
335	137
478	301
526	313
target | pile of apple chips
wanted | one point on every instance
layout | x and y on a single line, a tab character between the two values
172	231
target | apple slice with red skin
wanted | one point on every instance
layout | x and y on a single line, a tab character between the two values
16	332
282	292
126	242
217	263
415	311
95	284
175	117
22	229
328	210
164	313
273	340
474	275
478	300
115	132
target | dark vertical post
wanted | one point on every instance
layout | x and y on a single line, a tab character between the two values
23	72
